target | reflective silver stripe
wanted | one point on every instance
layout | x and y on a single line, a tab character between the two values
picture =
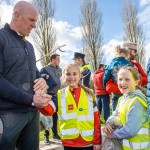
95	109
76	131
69	131
67	116
87	132
90	104
135	145
53	105
143	131
63	100
86	118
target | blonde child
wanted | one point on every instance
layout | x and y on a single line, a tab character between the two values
77	113
132	112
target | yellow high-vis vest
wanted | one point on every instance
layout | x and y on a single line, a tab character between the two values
73	120
141	141
85	66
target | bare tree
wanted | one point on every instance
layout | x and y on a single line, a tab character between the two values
44	34
133	29
91	29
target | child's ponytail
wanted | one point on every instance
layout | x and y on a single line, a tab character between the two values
88	91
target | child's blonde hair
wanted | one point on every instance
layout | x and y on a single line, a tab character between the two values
87	90
135	75
119	51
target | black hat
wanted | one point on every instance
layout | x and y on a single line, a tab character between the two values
78	55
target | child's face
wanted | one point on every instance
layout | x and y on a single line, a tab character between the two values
126	82
72	77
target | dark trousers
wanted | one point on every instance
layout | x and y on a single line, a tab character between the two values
20	131
115	101
78	148
103	102
54	128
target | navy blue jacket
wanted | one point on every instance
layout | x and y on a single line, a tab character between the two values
17	72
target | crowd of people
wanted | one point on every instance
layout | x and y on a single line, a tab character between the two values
25	91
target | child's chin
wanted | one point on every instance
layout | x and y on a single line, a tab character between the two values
123	91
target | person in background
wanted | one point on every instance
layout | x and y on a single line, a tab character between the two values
84	68
132	112
102	96
110	80
78	114
132	48
22	89
53	73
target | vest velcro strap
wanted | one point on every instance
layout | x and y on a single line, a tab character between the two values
69	131
67	116
135	145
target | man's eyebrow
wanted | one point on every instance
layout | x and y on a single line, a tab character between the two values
33	19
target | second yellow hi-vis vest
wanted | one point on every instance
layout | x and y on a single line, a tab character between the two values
73	120
141	141
85	66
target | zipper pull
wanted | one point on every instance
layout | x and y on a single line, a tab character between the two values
26	51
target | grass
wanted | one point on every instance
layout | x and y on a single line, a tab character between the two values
41	135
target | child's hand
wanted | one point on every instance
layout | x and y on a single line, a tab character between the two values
109	135
107	128
40	84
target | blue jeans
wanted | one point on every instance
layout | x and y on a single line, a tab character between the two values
20	131
103	102
115	101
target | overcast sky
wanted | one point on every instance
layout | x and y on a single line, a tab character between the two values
67	25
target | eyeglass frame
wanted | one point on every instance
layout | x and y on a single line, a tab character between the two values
133	49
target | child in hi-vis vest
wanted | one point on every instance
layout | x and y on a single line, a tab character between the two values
132	112
78	116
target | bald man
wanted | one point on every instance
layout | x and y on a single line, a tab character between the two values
22	89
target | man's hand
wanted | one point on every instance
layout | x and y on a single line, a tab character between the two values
40	84
41	101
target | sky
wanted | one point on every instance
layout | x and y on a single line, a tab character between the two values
67	25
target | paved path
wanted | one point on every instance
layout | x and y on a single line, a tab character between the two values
54	145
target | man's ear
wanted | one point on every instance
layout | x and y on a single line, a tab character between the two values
16	15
